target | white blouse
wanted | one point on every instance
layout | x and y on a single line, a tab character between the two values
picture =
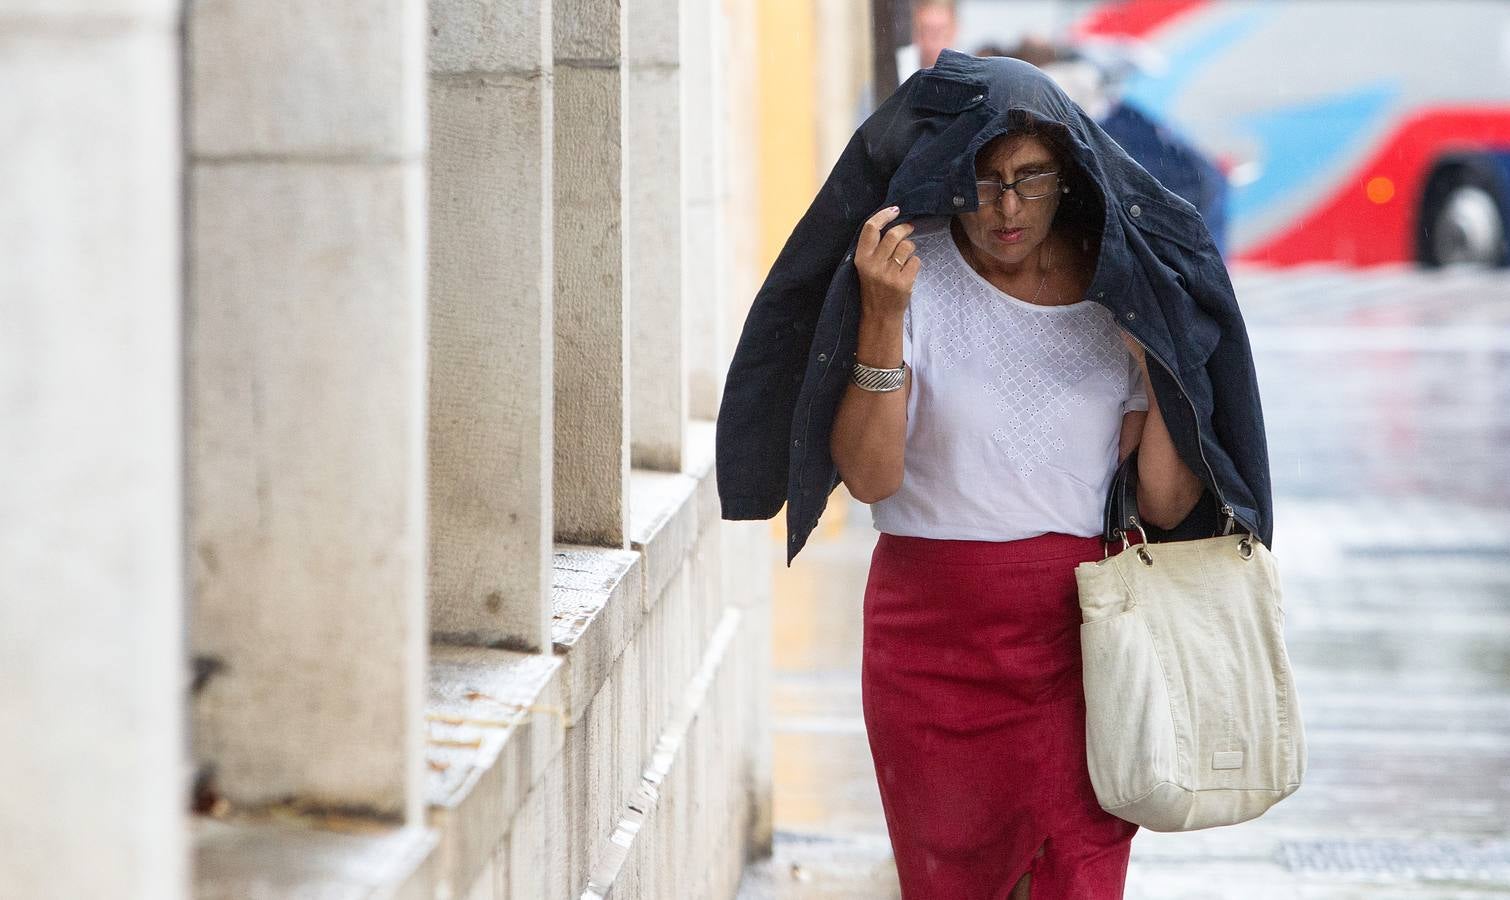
1015	411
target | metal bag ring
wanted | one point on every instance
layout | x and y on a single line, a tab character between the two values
1144	555
1245	548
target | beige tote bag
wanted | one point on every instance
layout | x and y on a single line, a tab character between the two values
1191	714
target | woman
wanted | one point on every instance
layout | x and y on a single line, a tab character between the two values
988	468
981	313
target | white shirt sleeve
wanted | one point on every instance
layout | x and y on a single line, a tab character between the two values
1137	391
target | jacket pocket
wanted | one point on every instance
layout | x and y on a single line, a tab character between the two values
937	93
1161	219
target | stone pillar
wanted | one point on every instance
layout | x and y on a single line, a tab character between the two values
741	260
658	386
592	350
306	418
702	284
491	319
91	602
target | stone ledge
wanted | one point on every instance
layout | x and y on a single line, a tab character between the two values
494	722
662	526
668	510
600	595
596	611
496	719
666	755
700	461
271	861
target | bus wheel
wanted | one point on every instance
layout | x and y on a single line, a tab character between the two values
1462	219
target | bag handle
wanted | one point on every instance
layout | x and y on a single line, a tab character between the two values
1121	513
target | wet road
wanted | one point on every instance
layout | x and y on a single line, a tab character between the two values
1387	396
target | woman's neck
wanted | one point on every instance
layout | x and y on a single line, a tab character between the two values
1032	268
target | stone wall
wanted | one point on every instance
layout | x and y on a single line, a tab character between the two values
360	376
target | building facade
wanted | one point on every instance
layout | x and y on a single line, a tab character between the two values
359	367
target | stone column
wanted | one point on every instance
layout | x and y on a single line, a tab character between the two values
306	360
658	386
742	264
91	601
592	350
702	284
491	319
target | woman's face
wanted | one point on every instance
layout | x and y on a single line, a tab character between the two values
1010	230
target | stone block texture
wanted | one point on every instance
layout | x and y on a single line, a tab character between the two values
658	394
306	461
490	36
91	522
491	400
286	78
658	407
591	305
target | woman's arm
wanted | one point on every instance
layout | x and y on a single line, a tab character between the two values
870	428
1167	489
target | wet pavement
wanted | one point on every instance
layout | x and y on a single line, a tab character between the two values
1387	397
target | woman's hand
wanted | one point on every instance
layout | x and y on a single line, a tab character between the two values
887	265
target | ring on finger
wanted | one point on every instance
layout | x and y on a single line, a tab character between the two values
899	262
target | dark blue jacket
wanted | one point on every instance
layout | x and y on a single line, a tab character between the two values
1157	270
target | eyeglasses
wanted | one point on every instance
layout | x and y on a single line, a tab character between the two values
1033	187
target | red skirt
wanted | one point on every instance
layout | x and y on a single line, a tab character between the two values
974	709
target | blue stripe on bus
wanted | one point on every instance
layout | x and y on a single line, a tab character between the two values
1302	142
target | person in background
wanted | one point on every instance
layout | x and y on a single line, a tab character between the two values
935	25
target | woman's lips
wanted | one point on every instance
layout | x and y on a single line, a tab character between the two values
1008	235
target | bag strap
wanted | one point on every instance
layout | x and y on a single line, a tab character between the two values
1121	512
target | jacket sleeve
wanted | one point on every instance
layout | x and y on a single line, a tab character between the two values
1218	367
760	391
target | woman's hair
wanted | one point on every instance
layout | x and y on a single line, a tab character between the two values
1080	212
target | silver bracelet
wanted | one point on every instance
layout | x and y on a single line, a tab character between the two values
869	378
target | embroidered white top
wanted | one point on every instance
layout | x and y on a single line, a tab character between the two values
1015	410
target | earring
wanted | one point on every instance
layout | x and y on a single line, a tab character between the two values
1064	189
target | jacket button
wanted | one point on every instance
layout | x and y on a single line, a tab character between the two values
1131	314
1101	293
823	357
1135	210
797	443
959	201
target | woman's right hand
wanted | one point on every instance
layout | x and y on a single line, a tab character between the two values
887	265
